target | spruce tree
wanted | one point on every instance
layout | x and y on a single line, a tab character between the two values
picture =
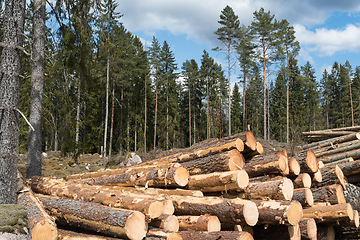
236	120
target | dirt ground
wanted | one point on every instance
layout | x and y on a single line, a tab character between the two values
56	165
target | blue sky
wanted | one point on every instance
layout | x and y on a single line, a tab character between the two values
328	30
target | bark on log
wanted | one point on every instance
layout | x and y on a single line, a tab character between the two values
329	214
280	189
177	191
97	194
164	234
308	162
350	168
333	141
71	235
13	222
223	235
166	222
303	180
304	196
279	212
353	153
266	164
333	194
308	229
90	216
331	175
325	232
205	223
219	181
250	153
220	162
174	176
247	137
352	195
347	233
277	232
339	148
259	179
42	226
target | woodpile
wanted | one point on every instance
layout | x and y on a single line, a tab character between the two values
222	189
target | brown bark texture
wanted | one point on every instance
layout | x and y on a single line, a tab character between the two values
223	235
330	213
266	164
205	223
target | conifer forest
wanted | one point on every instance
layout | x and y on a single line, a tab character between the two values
104	90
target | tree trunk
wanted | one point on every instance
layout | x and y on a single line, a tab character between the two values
112	118
331	142
106	102
71	235
331	175
266	164
229	52
308	162
350	168
219	181
10	66
332	194
244	101
207	108
189	115
111	221
156	104
329	214
352	196
303	180
77	131
226	161
145	123
199	223
37	90
304	196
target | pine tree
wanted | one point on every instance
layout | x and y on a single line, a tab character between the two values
236	111
356	95
278	93
228	34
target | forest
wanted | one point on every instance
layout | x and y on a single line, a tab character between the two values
104	90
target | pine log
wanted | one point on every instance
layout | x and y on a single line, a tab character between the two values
344	160
350	168
248	152
343	147
303	180
259	179
90	216
329	214
220	162
279	212
97	194
304	196
279	189
219	181
353	153
247	138
223	235
174	176
326	133
308	161
277	232
331	175
71	235
333	194
316	177
13	222
308	229
294	166
352	195
266	164
331	142
42	226
325	232
163	234
177	191
347	233
205	223
166	221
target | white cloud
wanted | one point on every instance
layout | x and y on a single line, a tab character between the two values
327	42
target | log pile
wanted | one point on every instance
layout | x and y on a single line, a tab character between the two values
223	189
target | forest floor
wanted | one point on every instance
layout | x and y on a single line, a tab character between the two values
57	165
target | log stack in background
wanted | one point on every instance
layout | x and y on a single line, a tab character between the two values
222	189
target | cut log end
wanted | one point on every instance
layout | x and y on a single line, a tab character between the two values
259	148
340	194
239	145
242	179
168	207
181	176
288	189
246	236
340	175
350	211
283	163
311	228
250	140
294	166
309	197
295	213
317	176
237	160
136	226
312	161
251	213
44	230
213	224
306	180
356	219
171	223
156	209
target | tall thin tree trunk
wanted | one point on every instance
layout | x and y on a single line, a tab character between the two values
268	113
145	112
244	102
351	103
194	130
156	103
107	103
264	66
37	90
128	127
121	120
112	118
207	108
77	131
189	114
287	101
167	120
229	90
10	97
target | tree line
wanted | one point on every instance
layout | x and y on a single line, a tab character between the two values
105	92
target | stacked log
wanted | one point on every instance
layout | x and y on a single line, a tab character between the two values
215	190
